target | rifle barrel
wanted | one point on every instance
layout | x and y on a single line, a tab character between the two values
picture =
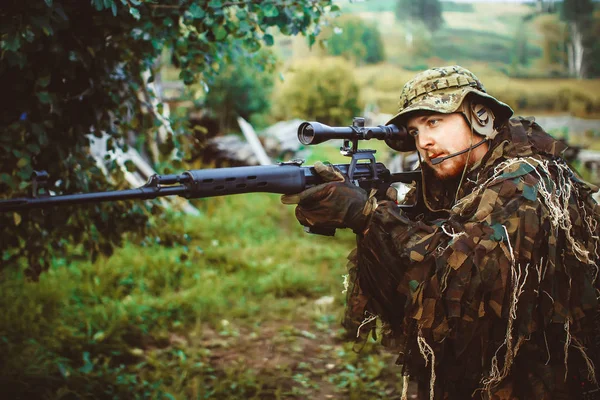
25	203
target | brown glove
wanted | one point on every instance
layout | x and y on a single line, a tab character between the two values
337	203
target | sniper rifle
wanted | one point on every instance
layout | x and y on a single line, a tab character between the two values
284	178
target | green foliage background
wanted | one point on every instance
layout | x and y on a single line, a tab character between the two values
242	88
71	68
355	40
322	90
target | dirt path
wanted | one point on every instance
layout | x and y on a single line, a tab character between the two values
300	359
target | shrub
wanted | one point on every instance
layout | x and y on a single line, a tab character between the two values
243	88
324	90
357	40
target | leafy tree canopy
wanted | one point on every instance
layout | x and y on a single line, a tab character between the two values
71	67
576	10
357	40
243	88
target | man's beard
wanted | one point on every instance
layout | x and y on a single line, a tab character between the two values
440	193
451	168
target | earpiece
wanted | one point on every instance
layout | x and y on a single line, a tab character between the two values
481	118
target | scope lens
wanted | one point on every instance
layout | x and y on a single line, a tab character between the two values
306	133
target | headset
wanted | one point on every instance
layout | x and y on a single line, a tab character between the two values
480	117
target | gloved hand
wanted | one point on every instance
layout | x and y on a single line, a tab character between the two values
337	203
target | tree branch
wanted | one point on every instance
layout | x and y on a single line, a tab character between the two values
244	3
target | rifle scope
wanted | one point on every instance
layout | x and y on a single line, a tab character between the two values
310	133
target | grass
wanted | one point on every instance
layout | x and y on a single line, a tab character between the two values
225	305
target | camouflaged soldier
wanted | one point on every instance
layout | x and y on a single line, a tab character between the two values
491	291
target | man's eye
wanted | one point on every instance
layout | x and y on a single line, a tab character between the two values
433	122
413	132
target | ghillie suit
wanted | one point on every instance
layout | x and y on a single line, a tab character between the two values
494	295
496	298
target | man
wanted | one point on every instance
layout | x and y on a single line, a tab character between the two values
491	289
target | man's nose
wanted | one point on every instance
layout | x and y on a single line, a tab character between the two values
424	140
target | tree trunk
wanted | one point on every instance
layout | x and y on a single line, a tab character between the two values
576	51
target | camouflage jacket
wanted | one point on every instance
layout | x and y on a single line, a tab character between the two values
495	297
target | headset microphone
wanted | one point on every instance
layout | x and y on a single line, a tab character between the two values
441	159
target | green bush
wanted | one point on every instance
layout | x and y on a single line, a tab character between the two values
323	90
356	40
243	88
74	68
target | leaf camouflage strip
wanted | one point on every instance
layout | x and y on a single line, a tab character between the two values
500	290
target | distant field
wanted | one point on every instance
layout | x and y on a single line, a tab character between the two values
486	31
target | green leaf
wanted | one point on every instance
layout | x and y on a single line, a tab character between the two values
29	35
215	4
47	29
268	40
6	178
334	8
196	11
269	10
187	77
219	32
22	162
88	366
243	26
64	371
48	3
311	40
43	81
135	13
44	97
12	43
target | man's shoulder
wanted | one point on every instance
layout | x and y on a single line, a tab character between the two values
521	138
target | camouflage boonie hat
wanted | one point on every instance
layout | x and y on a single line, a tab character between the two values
443	90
